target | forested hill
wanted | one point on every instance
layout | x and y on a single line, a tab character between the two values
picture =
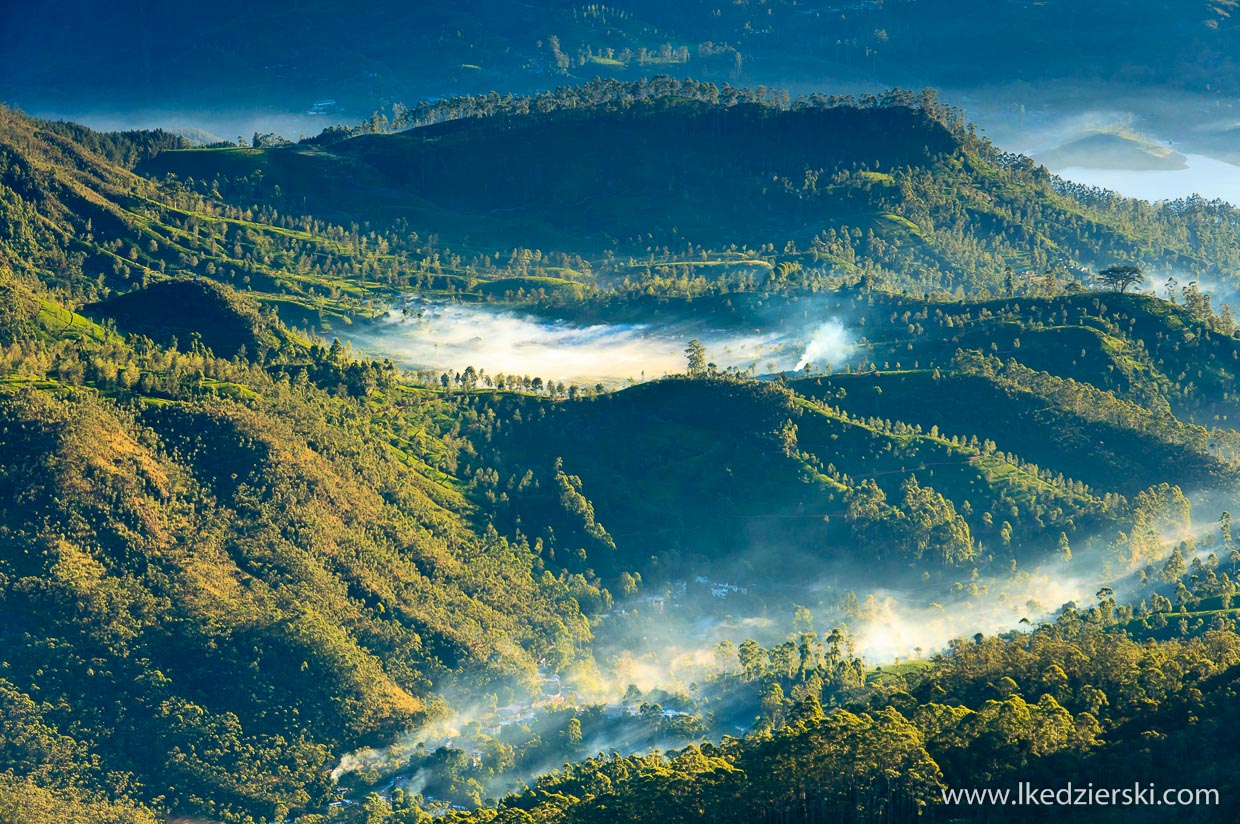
592	176
75	219
196	311
998	426
219	575
230	552
658	198
682	174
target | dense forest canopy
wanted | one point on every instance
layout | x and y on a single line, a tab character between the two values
686	185
248	572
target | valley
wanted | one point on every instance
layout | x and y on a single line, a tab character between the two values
640	450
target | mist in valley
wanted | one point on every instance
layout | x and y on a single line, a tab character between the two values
204	126
667	656
451	336
321	553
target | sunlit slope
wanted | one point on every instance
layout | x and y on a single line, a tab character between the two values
215	580
75	219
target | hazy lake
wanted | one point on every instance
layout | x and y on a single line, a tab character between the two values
1204	176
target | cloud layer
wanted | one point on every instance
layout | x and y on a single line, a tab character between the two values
452	336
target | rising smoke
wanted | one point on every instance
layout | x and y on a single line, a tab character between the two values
830	343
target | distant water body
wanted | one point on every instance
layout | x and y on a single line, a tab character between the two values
1204	176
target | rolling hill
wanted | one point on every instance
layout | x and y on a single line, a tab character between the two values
226	563
670	176
181	309
1112	151
210	575
685	169
992	406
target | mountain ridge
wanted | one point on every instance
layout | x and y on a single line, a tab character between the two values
223	571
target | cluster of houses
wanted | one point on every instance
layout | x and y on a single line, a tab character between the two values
678	591
721	589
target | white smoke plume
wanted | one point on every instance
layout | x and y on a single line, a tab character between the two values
830	343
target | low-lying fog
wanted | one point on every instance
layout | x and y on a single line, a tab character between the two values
204	126
452	336
1203	176
1033	119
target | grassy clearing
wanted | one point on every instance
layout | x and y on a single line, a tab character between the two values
60	323
894	674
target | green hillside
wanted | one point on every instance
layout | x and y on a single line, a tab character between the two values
676	188
675	175
75	221
751	465
232	553
1030	416
216	581
174	310
692	171
1157	353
